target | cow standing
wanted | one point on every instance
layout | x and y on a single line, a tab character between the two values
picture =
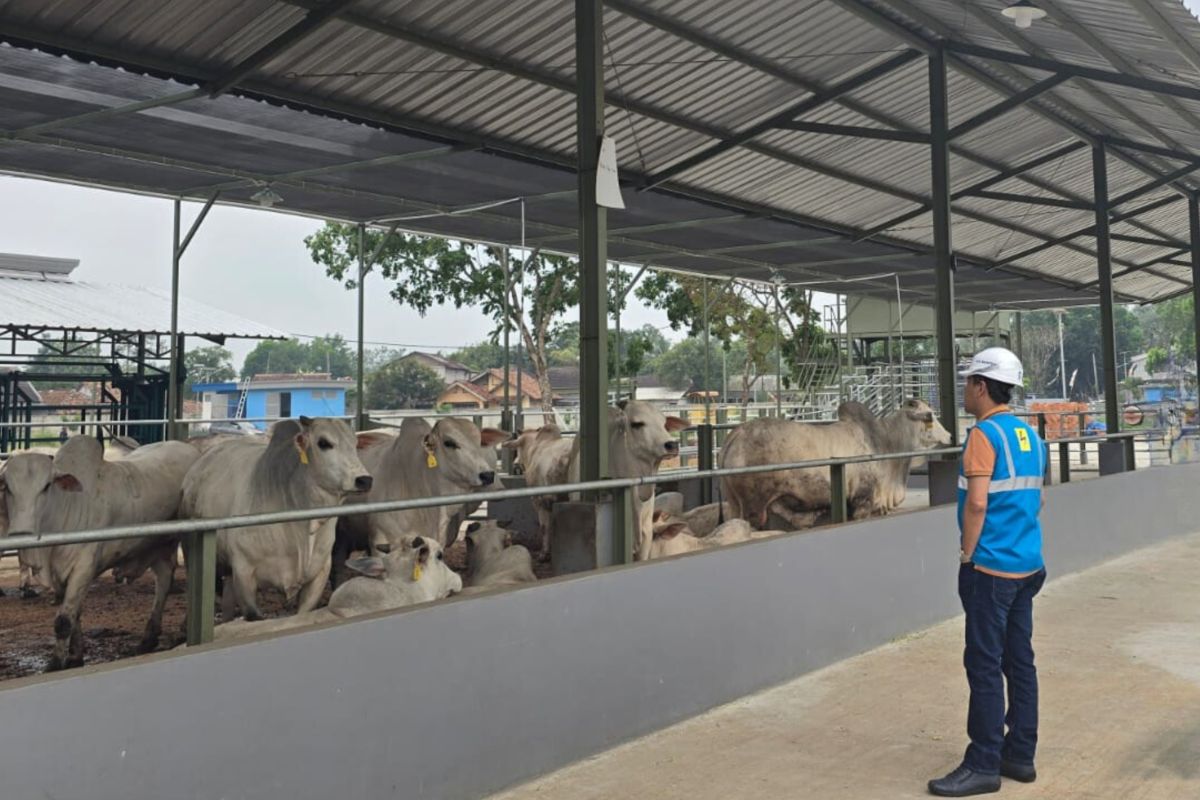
452	457
544	455
77	489
640	438
801	495
310	463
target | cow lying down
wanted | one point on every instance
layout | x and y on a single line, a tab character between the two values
415	573
493	560
673	537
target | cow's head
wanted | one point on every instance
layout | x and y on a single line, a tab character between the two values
464	455
485	540
929	432
27	483
419	560
327	449
648	434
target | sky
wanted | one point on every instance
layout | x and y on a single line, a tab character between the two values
246	261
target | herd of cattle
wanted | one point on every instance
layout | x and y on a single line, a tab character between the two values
388	560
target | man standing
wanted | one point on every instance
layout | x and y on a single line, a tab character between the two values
999	499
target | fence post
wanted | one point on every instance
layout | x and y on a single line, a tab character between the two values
1064	463
1130	453
1083	457
722	419
704	443
624	526
837	493
201	555
1041	425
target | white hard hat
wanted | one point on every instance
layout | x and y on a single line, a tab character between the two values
998	363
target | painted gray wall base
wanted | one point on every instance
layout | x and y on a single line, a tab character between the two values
461	698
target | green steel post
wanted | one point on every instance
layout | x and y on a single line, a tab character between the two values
1064	463
1083	454
705	444
939	114
360	401
201	557
1108	339
173	379
1194	231
837	493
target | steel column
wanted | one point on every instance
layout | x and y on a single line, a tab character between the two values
360	400
707	356
939	115
506	420
1194	228
200	553
1108	338
593	266
173	379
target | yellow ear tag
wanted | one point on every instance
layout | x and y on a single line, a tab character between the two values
416	572
928	426
304	457
431	460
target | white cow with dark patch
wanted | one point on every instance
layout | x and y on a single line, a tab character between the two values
305	464
493	560
414	572
452	457
800	496
640	438
77	489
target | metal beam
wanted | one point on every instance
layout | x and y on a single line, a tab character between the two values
1152	149
1194	235
943	246
196	223
658	226
1108	336
857	131
1006	105
173	379
1154	15
1088	231
360	403
593	306
1074	70
1039	201
816	101
104	113
1125	237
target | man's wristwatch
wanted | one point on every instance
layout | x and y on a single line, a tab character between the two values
963	558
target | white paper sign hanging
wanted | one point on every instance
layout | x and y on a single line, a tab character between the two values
608	188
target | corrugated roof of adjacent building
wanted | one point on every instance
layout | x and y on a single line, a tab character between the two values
35	293
398	109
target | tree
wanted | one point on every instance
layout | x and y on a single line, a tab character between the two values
1156	360
683	365
1081	343
632	353
485	355
428	271
746	311
403	384
209	365
376	357
324	354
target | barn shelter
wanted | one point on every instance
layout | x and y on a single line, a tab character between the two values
847	145
115	337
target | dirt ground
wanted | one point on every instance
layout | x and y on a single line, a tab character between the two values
114	616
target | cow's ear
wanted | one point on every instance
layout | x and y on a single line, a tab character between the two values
423	555
621	404
675	424
370	566
416	543
671	531
306	421
658	514
302	446
68	483
367	439
490	437
429	443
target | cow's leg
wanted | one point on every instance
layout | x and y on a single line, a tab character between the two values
68	638
545	520
229	609
164	575
311	593
338	557
245	591
27	590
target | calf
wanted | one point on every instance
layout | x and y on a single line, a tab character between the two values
493	560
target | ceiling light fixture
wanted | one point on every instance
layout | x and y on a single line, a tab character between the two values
1023	13
266	197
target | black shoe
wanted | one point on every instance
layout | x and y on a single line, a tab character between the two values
962	782
1025	773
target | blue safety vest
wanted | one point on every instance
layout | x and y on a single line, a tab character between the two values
1012	535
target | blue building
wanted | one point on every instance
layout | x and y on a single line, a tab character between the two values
275	395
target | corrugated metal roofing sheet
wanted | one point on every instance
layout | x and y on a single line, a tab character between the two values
68	305
497	77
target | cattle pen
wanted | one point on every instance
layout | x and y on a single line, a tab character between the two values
915	152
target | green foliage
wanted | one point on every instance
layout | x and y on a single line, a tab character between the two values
1081	339
403	384
485	355
1156	359
324	354
636	348
209	365
376	357
683	365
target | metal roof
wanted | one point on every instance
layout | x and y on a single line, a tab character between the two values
370	109
60	304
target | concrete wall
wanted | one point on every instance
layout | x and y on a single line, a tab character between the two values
464	697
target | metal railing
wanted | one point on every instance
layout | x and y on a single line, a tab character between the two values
199	535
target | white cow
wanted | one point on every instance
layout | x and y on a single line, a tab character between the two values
673	536
800	495
415	572
451	457
310	463
493	560
545	458
640	437
76	489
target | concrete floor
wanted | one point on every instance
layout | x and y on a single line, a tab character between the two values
1118	648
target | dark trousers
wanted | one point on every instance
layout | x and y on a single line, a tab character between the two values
999	650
